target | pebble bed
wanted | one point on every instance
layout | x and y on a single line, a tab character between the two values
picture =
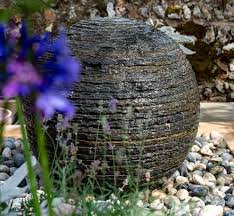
202	186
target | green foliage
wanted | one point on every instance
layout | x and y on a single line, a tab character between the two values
29	7
24	8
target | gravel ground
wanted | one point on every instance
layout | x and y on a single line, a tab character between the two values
202	186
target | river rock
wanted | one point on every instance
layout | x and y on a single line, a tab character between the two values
5	169
205	150
181	180
4	176
187	12
182	194
225	180
201	141
216	192
228	47
211	210
144	11
197	12
159	11
175	174
6	153
12	170
226	156
197	172
183	170
193	157
172	191
156	205
173	16
214	200
171	201
158	194
9	163
224	189
216	170
199	166
195	202
229	213
195	148
230	190
229	199
197	179
197	190
9	143
18	158
209	177
19	143
190	166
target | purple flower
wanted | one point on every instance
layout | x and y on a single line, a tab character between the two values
26	42
13	31
23	79
112	104
60	45
65	71
50	102
3	49
24	73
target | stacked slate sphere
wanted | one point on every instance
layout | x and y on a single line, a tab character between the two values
145	74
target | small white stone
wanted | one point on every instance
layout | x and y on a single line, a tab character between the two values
231	65
158	194
196	202
190	166
198	180
64	209
223	189
181	180
231	86
171	201
6	152
231	76
182	194
195	148
175	174
197	12
17	203
225	180
199	166
211	210
172	191
187	12
168	185
217	192
159	11
229	47
156	205
205	150
209	177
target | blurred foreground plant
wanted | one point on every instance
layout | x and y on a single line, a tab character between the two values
39	67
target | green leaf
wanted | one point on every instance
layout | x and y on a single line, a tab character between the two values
4	15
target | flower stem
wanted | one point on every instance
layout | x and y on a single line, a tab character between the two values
31	174
44	163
